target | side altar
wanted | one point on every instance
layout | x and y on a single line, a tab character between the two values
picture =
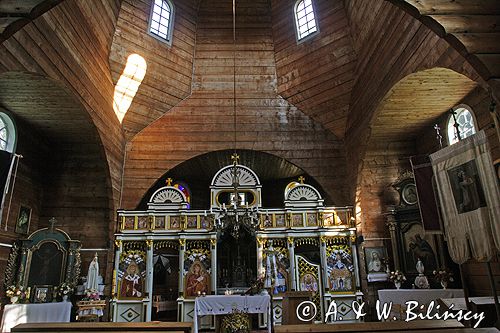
169	254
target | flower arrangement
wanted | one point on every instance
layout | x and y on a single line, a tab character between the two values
397	277
15	291
65	289
91	295
443	275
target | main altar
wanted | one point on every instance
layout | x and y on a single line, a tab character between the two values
170	254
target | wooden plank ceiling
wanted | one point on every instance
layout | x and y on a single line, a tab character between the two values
475	23
14	14
417	101
47	107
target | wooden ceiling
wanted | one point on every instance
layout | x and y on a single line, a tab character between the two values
14	14
417	101
47	107
474	23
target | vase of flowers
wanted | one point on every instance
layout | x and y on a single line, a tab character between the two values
443	276
64	290
15	293
397	278
91	295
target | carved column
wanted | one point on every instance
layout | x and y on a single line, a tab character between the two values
354	250
322	252
260	250
149	275
291	255
22	278
213	246
392	225
182	248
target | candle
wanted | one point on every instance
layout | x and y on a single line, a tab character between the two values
205	212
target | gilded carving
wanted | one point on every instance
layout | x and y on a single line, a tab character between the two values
10	270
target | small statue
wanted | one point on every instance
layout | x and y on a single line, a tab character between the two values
421	281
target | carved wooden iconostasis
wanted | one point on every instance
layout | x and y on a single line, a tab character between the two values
180	255
46	259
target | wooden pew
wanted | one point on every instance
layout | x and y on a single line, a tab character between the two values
153	326
393	326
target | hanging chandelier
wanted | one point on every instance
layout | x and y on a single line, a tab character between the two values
236	215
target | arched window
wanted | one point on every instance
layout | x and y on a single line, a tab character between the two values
161	20
7	133
466	124
305	20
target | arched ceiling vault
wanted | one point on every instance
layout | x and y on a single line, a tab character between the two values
416	101
471	26
15	14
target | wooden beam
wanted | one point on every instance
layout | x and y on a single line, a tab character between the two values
469	23
468	7
480	42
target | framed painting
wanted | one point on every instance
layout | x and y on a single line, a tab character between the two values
42	294
374	258
23	220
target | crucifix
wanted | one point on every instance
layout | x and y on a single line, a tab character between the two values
438	135
52	221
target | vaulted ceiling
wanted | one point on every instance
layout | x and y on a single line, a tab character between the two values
14	14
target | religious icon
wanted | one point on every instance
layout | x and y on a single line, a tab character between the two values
159	222
280	220
42	294
197	280
23	220
142	222
466	187
409	194
308	282
129	222
46	265
132	282
340	265
311	219
297	220
268	223
373	257
192	222
175	222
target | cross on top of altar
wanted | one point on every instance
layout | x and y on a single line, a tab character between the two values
52	222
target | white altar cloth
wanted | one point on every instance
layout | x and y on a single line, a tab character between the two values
15	314
422	296
225	304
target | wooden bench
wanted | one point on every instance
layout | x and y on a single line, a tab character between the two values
153	326
394	326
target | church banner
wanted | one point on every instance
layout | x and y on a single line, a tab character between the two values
470	198
422	171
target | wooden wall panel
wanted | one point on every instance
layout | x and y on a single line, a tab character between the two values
169	68
316	75
70	46
204	121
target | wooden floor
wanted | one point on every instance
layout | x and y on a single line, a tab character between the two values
170	327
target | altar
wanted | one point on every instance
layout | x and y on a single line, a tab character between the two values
176	254
227	304
15	314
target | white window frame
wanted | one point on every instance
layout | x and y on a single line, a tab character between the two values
11	131
170	28
450	122
295	19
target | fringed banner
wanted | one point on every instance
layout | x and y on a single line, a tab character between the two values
470	198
